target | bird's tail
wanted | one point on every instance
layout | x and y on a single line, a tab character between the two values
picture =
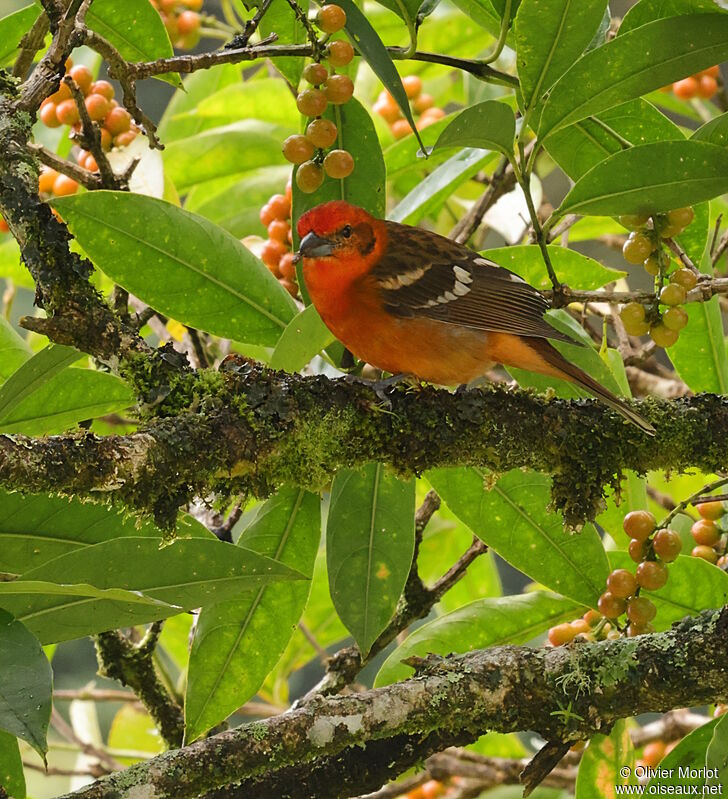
575	375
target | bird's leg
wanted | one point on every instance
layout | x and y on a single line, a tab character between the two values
378	386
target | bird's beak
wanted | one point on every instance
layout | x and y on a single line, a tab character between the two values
313	246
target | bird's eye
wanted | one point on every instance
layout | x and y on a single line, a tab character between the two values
346	231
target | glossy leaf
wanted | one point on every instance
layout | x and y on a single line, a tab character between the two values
14	352
25	698
633	64
239	641
280	19
266	99
11	766
571	267
369	546
305	336
714	132
365	186
651	178
688	756
649	10
12	29
716	755
368	43
429	195
35	528
401	156
496	621
489	126
581	146
180	264
511	517
550	36
34	374
482	12
404	9
606	765
11	267
693	585
135	29
222	152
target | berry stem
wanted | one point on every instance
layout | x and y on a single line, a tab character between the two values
680	507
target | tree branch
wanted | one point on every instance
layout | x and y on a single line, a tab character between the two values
330	746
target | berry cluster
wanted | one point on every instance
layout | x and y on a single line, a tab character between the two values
181	20
708	536
307	150
644	246
276	251
117	127
703	84
588	628
422	104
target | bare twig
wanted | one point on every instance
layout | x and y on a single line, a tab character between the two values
681	254
88	179
66	731
501	183
721	248
30	44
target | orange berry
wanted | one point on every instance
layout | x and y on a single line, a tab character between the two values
663	336
430	116
321	133
561	634
637	550
309	177
272	252
297	149
621	583
63	186
713	71
706	532
580	627
104	88
46	179
188	22
653	753
339	164
711	510
591	617
118	120
667	545
193	5
121	139
705	552
423	103
83	77
400	128
68	64
61	94
707	86
686	88
639	524
340	53
387	107
266	215
290	286
287	267
48	116
331	18
611	606
651	575
338	89
315	74
432	789
67	112
412	86
280	206
4	226
90	164
311	102
97	106
278	230
289	190
640	610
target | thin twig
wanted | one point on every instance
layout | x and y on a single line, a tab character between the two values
681	254
721	248
88	179
501	183
30	44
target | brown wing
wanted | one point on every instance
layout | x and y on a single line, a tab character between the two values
456	285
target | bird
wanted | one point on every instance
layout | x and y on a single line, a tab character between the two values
412	302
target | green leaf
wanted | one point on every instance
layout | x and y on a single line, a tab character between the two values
429	195
34	374
366	184
35	528
651	178
489	126
368	43
267	99
25	695
69	397
12	29
714	132
511	517
239	641
581	146
55	612
649	10
693	585
550	36
678	765
716	755
178	120
402	157
369	546
482	12
305	336
135	28
186	574
180	264
14	352
571	267
12	778
496	621
404	9
280	19
633	64
608	761
222	152
11	267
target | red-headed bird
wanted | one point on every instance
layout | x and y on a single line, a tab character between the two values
413	302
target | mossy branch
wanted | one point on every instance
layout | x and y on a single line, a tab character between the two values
339	745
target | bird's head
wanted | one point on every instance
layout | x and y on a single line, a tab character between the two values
341	235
